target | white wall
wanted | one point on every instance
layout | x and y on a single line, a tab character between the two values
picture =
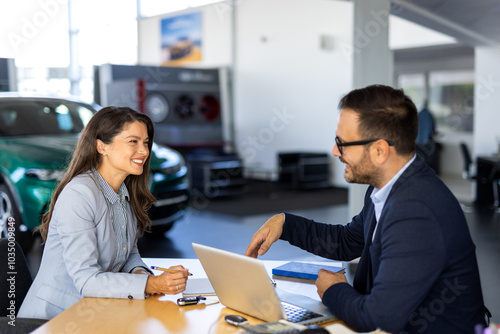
286	87
450	157
487	100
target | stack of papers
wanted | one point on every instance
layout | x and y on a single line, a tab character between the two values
198	287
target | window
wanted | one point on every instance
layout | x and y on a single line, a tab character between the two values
451	100
413	86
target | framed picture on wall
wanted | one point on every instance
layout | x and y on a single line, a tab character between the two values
181	38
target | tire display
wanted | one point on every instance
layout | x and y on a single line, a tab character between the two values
186	104
158	107
184	107
209	107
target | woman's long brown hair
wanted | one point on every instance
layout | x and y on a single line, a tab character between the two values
105	125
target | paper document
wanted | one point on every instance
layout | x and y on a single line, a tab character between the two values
341	329
198	286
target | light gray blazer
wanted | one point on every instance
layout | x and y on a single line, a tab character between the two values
79	258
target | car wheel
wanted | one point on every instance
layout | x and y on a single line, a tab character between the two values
159	230
9	213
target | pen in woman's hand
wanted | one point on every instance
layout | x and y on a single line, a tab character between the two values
168	270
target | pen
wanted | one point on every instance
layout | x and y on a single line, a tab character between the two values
167	270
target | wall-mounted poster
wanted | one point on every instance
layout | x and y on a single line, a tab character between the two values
181	39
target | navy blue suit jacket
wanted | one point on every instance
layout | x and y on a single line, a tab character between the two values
419	275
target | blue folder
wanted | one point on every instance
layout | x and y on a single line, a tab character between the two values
303	270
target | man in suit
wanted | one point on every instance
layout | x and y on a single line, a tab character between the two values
418	270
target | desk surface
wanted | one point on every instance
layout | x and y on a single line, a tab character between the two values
158	314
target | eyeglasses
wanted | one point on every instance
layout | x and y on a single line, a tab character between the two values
341	144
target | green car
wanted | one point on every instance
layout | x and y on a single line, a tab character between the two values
37	138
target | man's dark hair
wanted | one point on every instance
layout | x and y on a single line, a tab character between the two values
385	112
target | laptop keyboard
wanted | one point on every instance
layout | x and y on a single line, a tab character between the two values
296	314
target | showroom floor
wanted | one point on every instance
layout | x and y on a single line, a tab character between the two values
234	233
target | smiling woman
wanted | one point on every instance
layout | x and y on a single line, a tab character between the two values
96	215
108	145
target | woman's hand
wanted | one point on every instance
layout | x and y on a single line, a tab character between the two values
168	283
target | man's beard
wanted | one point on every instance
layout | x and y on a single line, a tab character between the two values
364	172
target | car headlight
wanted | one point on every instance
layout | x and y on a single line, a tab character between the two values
172	169
174	161
45	174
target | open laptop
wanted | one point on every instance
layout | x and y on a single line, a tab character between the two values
242	283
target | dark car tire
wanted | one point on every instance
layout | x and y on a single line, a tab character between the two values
8	208
161	229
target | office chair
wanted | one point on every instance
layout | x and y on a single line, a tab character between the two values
470	173
15	281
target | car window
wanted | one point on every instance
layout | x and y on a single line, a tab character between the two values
63	117
85	114
42	117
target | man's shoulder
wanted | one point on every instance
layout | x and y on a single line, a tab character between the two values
420	180
419	169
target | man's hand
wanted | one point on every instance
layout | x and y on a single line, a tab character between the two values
266	236
326	279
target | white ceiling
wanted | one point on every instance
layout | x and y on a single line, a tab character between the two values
471	22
